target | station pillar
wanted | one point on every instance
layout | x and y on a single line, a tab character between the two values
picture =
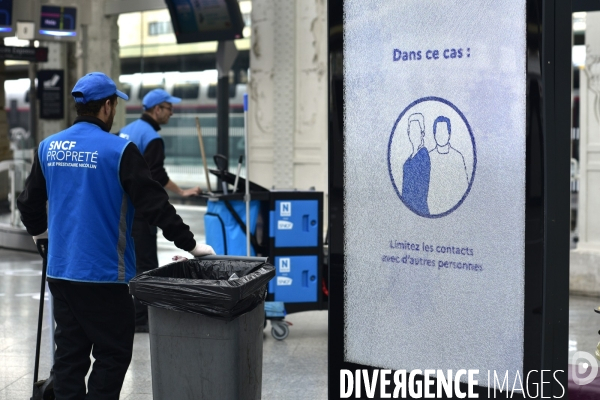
96	48
585	260
57	60
99	50
288	94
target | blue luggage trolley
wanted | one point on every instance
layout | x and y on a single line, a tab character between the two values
285	226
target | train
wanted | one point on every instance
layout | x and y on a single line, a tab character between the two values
198	91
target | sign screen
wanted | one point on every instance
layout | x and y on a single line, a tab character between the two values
434	200
205	20
58	21
51	93
33	54
6	15
203	16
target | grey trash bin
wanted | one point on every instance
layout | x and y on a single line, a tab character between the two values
195	356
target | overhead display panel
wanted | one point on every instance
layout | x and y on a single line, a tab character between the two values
205	20
58	21
6	16
434	196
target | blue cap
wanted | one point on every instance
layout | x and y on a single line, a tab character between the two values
95	86
157	96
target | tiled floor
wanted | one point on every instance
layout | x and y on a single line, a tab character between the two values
295	368
584	324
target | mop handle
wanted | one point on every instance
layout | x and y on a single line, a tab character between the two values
42	246
203	155
247	196
237	174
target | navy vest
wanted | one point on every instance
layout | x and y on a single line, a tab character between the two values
89	214
139	132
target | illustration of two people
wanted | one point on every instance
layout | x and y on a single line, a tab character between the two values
433	181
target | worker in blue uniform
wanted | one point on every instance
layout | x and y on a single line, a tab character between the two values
93	182
158	108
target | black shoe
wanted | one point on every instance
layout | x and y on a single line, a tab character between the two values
141	328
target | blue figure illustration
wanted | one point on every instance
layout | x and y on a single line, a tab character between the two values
416	169
449	179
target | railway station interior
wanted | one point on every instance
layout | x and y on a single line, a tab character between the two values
288	60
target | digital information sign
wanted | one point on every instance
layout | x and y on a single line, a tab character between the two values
58	21
51	93
434	196
6	7
205	20
203	15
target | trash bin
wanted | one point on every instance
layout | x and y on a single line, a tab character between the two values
205	328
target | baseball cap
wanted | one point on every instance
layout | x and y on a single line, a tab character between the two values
95	86
157	96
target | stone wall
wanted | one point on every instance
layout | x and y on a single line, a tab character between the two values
288	94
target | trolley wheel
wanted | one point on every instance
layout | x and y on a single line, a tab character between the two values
280	330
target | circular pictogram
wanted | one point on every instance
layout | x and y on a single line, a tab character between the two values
432	157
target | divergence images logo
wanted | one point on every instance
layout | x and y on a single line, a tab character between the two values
585	372
432	157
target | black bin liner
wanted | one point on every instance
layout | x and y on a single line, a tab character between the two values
202	286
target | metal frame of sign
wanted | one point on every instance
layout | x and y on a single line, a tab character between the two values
547	197
585	5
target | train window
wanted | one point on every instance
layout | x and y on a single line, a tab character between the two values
160	28
13	113
212	91
27	96
126	88
190	90
145	89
